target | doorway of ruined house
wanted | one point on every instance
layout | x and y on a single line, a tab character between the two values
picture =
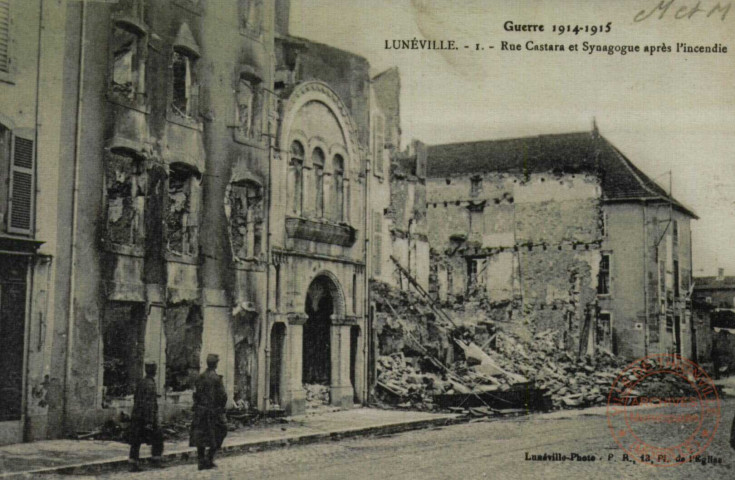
277	350
354	337
317	365
13	303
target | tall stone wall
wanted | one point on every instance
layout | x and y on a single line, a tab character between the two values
527	247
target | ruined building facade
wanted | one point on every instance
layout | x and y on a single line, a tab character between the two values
397	194
562	232
216	203
216	179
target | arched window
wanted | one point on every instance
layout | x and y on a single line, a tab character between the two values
338	164
128	61
297	168
317	159
185	88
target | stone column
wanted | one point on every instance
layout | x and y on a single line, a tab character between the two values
341	392
295	396
360	365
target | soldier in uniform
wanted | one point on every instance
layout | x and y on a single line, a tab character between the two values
209	425
144	427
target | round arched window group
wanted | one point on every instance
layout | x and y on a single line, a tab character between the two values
318	163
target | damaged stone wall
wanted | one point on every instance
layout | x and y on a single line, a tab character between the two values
527	247
407	212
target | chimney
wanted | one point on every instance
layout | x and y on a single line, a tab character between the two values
720	274
283	9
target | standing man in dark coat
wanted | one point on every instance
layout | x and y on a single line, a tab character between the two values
144	426
209	425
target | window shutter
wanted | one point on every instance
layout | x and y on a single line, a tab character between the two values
5	35
22	186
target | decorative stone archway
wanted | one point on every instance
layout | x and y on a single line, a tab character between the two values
320	343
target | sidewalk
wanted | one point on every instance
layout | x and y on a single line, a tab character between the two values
25	460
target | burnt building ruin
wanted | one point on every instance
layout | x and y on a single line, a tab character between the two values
197	180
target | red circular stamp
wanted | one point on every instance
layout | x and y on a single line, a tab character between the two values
663	410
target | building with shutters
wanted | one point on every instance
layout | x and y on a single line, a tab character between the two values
31	58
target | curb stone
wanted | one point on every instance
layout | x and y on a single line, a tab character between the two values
188	456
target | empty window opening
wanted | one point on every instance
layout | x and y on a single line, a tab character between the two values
603	278
297	177
182	220
126	185
603	331
278	286
127	67
182	101
476	186
245	96
317	159
123	347
251	12
339	187
246	219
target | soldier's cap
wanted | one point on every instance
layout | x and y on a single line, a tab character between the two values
150	364
212	358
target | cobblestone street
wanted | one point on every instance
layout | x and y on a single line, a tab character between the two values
495	449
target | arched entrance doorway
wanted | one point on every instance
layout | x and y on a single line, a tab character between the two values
320	305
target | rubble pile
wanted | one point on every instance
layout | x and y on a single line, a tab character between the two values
316	395
570	382
423	361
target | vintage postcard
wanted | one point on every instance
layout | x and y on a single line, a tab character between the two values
367	239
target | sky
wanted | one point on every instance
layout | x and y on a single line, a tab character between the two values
665	111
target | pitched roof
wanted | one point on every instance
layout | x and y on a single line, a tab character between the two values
559	153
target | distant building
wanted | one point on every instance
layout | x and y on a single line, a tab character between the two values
714	306
562	232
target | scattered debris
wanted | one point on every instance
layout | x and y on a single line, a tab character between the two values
316	395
